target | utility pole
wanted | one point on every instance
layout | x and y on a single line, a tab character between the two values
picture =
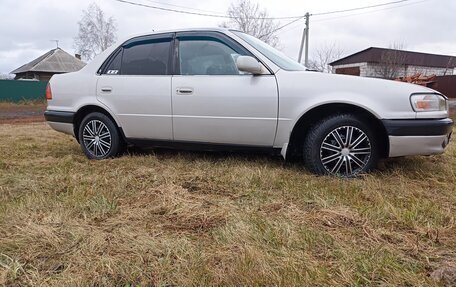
306	57
305	38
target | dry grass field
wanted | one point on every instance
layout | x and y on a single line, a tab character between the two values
169	218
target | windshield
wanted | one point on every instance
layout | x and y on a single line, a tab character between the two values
271	53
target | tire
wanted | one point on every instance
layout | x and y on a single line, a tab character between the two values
340	145
99	137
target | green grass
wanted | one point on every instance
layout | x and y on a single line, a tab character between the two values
170	218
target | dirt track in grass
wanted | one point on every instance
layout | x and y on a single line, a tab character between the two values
29	112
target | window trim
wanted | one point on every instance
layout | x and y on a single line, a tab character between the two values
174	53
175	56
221	37
103	68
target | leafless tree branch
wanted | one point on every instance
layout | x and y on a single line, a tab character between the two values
323	56
392	62
6	76
96	32
451	63
250	18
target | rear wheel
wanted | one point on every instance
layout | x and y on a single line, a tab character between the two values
340	145
99	137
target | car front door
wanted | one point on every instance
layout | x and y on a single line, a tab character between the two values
213	102
135	84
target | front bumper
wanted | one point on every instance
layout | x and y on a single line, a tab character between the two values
418	137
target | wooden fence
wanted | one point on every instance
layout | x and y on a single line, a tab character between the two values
446	85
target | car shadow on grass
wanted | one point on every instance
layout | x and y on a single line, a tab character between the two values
213	156
407	166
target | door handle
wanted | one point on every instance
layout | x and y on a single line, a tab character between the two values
184	91
106	89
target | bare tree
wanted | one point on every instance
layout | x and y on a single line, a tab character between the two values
248	17
6	76
96	32
323	56
451	63
392	63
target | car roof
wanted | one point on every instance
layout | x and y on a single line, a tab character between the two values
208	29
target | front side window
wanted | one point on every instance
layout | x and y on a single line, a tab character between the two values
148	57
271	53
206	56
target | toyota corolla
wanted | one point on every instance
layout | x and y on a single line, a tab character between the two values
224	89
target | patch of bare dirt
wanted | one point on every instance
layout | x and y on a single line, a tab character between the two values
11	113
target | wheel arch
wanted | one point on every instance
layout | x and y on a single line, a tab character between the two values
317	113
87	109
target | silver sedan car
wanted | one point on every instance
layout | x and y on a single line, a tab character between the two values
224	89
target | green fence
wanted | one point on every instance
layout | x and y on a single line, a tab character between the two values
16	91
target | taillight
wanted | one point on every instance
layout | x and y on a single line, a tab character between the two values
48	92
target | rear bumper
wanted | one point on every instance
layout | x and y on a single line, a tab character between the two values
59	116
60	121
62	127
418	137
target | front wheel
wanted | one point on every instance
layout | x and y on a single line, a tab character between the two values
99	137
340	145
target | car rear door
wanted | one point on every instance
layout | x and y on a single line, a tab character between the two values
213	102
135	84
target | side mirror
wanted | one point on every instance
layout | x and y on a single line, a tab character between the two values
249	64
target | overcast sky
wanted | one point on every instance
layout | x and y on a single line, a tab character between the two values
27	26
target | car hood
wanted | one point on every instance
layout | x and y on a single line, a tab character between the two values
384	98
373	86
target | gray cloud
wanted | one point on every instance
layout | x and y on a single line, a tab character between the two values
28	26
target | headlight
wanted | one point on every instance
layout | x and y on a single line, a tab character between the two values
428	103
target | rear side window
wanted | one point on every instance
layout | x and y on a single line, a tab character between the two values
149	57
113	68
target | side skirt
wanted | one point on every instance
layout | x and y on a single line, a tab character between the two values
184	145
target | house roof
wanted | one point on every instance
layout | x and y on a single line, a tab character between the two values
54	61
374	55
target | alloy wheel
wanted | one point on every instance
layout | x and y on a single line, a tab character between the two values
345	151
97	138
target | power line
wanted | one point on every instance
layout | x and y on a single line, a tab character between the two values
219	15
368	12
283	26
184	7
359	8
305	35
291	28
296	18
201	14
357	14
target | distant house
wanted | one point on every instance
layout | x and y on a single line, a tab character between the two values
390	64
56	61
